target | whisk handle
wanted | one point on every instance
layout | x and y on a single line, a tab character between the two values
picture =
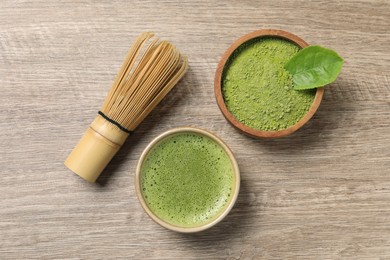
98	145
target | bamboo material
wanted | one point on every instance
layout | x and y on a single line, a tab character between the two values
150	70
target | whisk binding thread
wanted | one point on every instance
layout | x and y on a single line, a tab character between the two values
124	129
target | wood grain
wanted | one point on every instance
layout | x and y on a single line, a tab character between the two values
321	193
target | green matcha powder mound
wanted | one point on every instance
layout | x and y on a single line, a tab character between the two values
258	91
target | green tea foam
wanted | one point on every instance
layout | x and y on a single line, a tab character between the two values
187	179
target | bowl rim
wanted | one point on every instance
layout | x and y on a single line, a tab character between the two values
223	214
218	86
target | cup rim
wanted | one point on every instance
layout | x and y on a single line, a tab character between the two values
221	215
218	86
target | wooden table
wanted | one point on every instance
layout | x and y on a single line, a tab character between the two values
322	193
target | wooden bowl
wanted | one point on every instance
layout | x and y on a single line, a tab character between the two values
218	86
235	182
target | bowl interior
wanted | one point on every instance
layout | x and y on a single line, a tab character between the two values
220	74
217	217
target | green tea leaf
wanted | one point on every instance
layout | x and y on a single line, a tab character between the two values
314	67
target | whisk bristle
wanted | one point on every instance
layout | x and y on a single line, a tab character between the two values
150	70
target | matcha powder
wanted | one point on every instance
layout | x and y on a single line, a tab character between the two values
258	91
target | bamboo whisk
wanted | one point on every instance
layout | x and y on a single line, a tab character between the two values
150	70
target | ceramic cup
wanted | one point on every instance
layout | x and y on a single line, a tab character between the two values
235	185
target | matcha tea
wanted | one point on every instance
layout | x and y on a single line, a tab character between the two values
187	179
258	91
